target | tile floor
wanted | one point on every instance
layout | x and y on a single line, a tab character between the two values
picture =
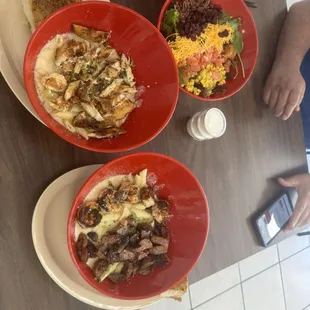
277	278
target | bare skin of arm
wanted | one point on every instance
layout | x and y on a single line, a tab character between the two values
285	86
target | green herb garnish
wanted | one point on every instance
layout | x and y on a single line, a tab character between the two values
237	38
181	78
171	20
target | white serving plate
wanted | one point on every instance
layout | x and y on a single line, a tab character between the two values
14	36
49	234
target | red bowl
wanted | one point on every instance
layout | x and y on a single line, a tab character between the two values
133	35
236	8
188	226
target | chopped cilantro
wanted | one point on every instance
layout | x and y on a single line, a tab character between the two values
181	78
171	20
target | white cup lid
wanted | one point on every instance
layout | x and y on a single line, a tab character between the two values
215	122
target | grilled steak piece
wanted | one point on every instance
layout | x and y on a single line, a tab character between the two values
161	260
126	255
157	250
144	244
100	267
81	247
110	239
91	250
117	278
147	265
160	241
92	236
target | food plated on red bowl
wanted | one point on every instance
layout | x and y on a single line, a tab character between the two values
128	230
87	76
214	43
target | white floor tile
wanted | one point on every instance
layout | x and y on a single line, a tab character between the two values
296	280
230	300
258	262
264	291
171	304
292	245
214	285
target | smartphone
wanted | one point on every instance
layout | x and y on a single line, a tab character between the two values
270	223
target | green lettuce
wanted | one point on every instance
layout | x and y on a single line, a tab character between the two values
170	22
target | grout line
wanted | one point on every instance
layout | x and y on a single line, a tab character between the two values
275	263
306	307
216	295
284	296
250	278
242	294
294	253
259	272
190	296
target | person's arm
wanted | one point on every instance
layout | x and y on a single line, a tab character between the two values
285	85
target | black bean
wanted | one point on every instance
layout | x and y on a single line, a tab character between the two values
195	15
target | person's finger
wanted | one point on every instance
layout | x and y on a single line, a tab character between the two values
303	216
267	92
301	206
289	182
291	104
306	221
297	109
301	96
273	98
281	102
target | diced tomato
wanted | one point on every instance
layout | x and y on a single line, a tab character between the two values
196	68
216	75
219	61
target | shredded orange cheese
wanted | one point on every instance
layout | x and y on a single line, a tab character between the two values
183	48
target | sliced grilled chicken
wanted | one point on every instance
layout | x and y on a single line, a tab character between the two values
111	88
82	120
69	50
60	104
92	110
71	90
123	109
55	82
107	133
90	34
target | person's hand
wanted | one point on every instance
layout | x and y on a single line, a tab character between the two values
301	214
284	90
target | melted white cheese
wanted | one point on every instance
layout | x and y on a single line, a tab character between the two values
45	64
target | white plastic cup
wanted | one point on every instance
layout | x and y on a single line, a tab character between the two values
207	125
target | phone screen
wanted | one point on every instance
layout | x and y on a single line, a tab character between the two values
271	222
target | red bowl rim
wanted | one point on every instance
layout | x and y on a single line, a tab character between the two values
161	15
106	166
43	114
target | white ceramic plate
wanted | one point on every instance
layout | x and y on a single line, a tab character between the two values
49	234
14	36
